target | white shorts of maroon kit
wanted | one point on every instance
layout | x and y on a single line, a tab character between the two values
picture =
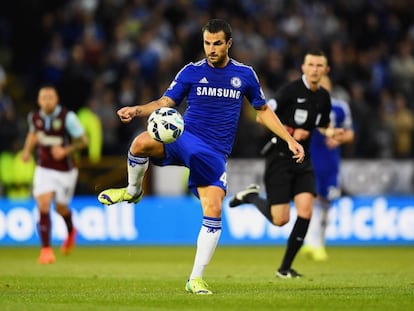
62	183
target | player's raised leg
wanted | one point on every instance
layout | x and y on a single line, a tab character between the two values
142	147
136	166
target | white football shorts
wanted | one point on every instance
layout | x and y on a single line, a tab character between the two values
63	184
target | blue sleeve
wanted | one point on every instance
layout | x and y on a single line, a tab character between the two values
178	88
255	93
73	125
348	122
30	122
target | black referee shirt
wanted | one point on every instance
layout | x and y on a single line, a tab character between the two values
299	107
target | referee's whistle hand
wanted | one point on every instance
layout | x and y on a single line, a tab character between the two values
298	152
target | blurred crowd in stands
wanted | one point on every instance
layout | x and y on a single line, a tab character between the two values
105	54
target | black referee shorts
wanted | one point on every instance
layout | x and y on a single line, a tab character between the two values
284	178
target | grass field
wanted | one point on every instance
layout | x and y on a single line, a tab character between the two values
242	278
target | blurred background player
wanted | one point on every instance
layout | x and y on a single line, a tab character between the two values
214	88
326	154
57	134
302	106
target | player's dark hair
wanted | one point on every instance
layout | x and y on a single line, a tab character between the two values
49	86
217	25
316	52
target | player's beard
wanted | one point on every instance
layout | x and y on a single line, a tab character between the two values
217	60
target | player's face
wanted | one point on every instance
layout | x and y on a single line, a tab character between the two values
314	68
216	48
47	100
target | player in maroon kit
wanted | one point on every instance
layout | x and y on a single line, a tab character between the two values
57	134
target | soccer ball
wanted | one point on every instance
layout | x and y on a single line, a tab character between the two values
165	125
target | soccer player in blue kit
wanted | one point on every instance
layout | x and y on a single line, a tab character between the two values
326	155
214	88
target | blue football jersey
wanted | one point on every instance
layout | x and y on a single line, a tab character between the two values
323	158
214	99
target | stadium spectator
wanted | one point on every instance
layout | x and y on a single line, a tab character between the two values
55	61
402	68
77	81
363	116
210	127
57	134
9	130
383	135
128	95
106	111
401	121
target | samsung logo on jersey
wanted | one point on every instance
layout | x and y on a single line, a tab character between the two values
217	92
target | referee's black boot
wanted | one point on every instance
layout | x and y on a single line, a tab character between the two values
288	274
241	196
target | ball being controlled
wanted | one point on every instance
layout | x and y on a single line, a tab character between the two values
165	125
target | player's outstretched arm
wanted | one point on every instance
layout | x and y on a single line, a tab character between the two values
126	114
268	118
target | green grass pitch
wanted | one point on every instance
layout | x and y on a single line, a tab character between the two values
242	278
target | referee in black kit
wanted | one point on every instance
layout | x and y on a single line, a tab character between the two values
302	105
